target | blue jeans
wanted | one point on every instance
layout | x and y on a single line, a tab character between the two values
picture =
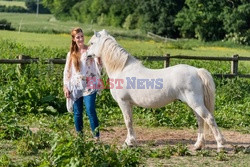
89	102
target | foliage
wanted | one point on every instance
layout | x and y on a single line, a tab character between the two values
158	16
32	6
12	9
206	20
70	151
236	21
241	149
32	93
155	16
47	24
60	8
38	90
215	20
26	6
221	156
34	98
168	151
196	20
5	161
10	130
33	142
5	25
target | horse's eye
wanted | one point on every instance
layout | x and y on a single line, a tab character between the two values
91	43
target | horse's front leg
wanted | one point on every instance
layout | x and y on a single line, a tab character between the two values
126	108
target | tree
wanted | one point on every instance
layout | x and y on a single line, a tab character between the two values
199	18
236	19
32	6
158	16
60	8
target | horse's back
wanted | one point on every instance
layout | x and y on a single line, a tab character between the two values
183	76
172	81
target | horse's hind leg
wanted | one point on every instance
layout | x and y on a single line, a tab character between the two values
127	115
200	143
197	104
209	119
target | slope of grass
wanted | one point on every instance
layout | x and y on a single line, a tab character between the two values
47	23
135	46
13	3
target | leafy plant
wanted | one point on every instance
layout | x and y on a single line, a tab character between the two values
5	161
221	156
204	153
10	130
78	151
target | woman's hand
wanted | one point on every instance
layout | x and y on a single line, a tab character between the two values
99	61
66	92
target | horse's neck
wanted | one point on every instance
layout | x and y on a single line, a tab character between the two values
116	58
132	61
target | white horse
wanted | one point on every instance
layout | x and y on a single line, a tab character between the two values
154	88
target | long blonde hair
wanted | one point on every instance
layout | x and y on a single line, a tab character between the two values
74	50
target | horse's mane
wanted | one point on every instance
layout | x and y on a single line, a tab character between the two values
114	57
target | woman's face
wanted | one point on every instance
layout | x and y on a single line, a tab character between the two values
79	39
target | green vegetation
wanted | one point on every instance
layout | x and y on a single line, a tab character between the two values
25	6
34	100
13	3
36	130
136	47
47	23
44	23
5	25
206	20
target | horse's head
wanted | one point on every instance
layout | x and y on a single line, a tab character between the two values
111	53
95	43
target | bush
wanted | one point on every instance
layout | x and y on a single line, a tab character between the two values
12	9
10	130
5	25
33	142
237	23
5	161
68	150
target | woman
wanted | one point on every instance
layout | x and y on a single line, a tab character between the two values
80	75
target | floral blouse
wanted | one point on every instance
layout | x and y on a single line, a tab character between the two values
83	82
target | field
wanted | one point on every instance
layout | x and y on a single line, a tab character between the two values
13	3
36	130
47	23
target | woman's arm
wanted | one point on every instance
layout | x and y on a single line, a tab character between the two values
66	75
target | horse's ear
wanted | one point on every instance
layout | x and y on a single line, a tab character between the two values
97	34
105	32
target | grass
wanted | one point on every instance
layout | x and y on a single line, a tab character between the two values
53	40
198	161
13	3
29	39
166	155
47	23
136	47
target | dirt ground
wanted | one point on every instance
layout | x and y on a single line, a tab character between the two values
161	136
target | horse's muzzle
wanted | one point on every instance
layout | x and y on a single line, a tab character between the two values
91	56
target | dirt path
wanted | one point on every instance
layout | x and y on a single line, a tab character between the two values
161	136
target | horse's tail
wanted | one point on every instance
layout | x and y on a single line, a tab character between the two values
208	91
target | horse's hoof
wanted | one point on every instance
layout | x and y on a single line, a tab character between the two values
198	147
221	149
125	145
